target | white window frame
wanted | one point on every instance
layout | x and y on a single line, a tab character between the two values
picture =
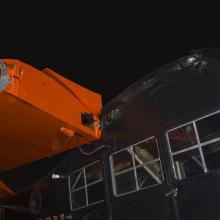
134	168
85	186
198	146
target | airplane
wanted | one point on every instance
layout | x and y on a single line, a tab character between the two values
153	152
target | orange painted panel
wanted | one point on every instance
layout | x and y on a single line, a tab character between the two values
35	108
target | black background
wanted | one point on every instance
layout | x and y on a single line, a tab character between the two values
104	47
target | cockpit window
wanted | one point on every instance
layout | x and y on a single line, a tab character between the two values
86	186
136	167
208	128
195	147
209	136
182	138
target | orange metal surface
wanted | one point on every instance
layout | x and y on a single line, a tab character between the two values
39	110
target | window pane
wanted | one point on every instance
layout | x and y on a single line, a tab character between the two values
122	161
125	182
212	155
77	180
146	151
78	199
188	164
96	192
148	176
94	172
209	128
182	137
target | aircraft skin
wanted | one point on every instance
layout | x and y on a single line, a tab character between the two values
157	157
40	113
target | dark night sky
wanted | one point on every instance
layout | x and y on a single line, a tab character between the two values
103	51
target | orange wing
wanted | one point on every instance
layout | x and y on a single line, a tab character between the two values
40	111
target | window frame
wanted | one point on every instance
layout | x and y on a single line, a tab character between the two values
85	186
134	168
198	146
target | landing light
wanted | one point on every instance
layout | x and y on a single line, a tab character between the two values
57	176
